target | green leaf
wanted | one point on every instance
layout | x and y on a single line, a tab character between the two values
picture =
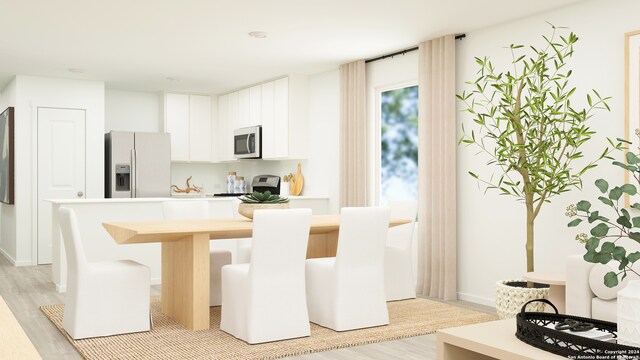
574	222
636	206
600	230
592	244
619	253
607	247
615	193
583	205
629	189
624	222
593	216
634	256
632	158
473	175
602	185
625	213
636	221
610	279
605	200
634	236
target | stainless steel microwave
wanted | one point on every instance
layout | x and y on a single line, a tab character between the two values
247	142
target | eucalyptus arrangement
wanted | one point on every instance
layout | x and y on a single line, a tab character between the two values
524	121
603	243
263	198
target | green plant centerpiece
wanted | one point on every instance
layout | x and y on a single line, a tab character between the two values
525	123
616	228
258	200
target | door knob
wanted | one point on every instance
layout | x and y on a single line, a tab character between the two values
80	193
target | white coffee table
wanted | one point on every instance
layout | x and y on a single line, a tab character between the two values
484	341
556	282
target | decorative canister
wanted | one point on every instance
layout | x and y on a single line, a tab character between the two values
629	314
239	185
231	179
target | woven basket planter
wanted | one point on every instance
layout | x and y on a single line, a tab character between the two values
512	294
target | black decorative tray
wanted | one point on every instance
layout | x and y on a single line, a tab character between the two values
532	328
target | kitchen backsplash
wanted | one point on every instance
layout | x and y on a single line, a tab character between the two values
212	177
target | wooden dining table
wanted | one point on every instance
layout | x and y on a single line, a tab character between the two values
185	256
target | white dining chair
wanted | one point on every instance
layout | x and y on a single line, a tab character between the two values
264	300
398	257
194	210
347	291
103	298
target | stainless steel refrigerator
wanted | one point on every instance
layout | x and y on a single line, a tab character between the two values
137	164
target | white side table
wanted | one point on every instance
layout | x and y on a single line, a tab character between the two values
556	282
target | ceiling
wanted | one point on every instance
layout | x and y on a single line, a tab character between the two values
137	44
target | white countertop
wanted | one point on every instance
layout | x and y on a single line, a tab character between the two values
183	197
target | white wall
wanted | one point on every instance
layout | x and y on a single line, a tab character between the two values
32	93
491	228
132	111
8	212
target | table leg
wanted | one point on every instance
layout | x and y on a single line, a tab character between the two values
557	297
185	281
322	245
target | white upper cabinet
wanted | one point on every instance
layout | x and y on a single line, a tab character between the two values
200	128
224	140
255	105
188	118
287	136
244	107
176	123
280	106
268	125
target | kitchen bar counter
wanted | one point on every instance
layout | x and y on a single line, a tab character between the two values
99	246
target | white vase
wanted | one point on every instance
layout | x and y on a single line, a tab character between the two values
629	314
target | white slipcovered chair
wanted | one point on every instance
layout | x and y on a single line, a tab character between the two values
398	257
264	300
103	298
347	292
193	210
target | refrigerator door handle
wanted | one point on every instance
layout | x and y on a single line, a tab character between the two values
134	174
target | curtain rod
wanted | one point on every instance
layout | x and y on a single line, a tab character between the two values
402	52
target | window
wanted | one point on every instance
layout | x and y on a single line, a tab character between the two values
399	144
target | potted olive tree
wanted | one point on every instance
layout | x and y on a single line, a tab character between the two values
525	123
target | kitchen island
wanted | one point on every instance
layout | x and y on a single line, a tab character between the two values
99	246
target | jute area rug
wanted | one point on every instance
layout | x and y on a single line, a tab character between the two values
169	340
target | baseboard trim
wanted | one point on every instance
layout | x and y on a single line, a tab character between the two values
477	299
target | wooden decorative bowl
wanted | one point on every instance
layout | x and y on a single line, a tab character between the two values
247	209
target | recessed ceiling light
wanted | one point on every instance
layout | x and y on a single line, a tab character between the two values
76	70
172	78
258	34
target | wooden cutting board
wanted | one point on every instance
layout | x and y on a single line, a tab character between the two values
297	182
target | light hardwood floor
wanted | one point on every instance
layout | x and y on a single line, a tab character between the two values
25	289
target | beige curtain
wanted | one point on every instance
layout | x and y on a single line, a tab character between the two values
437	145
353	135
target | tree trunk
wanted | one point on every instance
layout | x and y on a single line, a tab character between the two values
530	221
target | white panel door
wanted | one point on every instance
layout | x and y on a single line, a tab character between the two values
61	167
176	123
268	126
281	118
199	128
